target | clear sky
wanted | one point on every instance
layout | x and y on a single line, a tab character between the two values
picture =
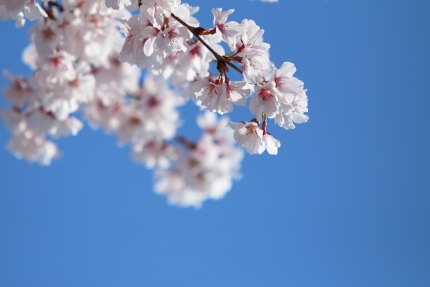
345	203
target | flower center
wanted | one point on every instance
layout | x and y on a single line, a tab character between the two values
265	94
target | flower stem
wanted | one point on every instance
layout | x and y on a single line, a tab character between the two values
264	125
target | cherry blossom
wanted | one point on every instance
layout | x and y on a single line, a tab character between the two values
127	67
21	9
204	170
121	4
217	96
271	144
33	148
265	100
155	154
21	92
249	135
228	30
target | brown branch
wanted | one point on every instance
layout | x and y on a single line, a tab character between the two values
56	4
185	142
218	57
48	8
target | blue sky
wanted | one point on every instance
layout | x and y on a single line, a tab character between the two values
345	203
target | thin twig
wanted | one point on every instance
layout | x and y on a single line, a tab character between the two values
218	57
185	142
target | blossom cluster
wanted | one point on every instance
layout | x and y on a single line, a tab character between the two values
87	58
20	10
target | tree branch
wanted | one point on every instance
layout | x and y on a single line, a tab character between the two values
218	57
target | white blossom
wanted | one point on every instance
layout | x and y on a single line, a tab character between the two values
44	123
86	59
228	30
292	110
216	96
284	80
21	9
265	100
249	135
33	148
14	121
65	85
206	171
155	154
21	92
121	4
271	144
